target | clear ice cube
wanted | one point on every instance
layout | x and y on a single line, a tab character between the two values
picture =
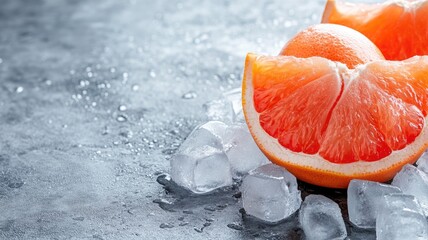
399	201
364	200
321	218
220	110
414	182
270	193
401	218
243	153
423	162
201	169
234	96
207	134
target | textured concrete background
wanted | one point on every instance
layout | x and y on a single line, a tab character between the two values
96	95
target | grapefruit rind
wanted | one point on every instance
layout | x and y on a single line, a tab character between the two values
397	27
314	169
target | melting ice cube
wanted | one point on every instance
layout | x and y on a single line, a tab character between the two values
414	182
228	108
243	153
234	96
320	218
270	193
364	200
423	162
221	110
201	169
207	134
401	217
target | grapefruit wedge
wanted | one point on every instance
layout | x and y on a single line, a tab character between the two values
399	28
328	124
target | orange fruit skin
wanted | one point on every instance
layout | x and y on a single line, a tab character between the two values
398	28
332	180
334	42
317	176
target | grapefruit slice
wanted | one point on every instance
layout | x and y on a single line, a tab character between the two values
334	42
399	28
328	124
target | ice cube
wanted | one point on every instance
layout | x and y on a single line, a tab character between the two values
243	153
201	169
320	218
401	217
221	110
399	201
209	133
234	96
423	162
364	200
270	193
414	182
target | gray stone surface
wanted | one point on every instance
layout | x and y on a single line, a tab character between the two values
96	95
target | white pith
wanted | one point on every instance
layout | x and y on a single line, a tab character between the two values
315	161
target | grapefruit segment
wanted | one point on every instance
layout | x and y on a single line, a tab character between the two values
328	124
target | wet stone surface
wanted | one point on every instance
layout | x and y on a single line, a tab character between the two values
95	97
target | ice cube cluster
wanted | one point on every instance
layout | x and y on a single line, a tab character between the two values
364	201
222	148
396	211
215	152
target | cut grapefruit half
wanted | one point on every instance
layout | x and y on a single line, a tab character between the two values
328	124
399	28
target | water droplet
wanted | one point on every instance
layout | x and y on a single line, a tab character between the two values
135	87
116	143
125	75
48	82
166	225
19	89
210	208
122	108
152	73
112	70
72	72
235	226
127	134
121	118
79	218
1	61
189	95
90	74
16	184
94	104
